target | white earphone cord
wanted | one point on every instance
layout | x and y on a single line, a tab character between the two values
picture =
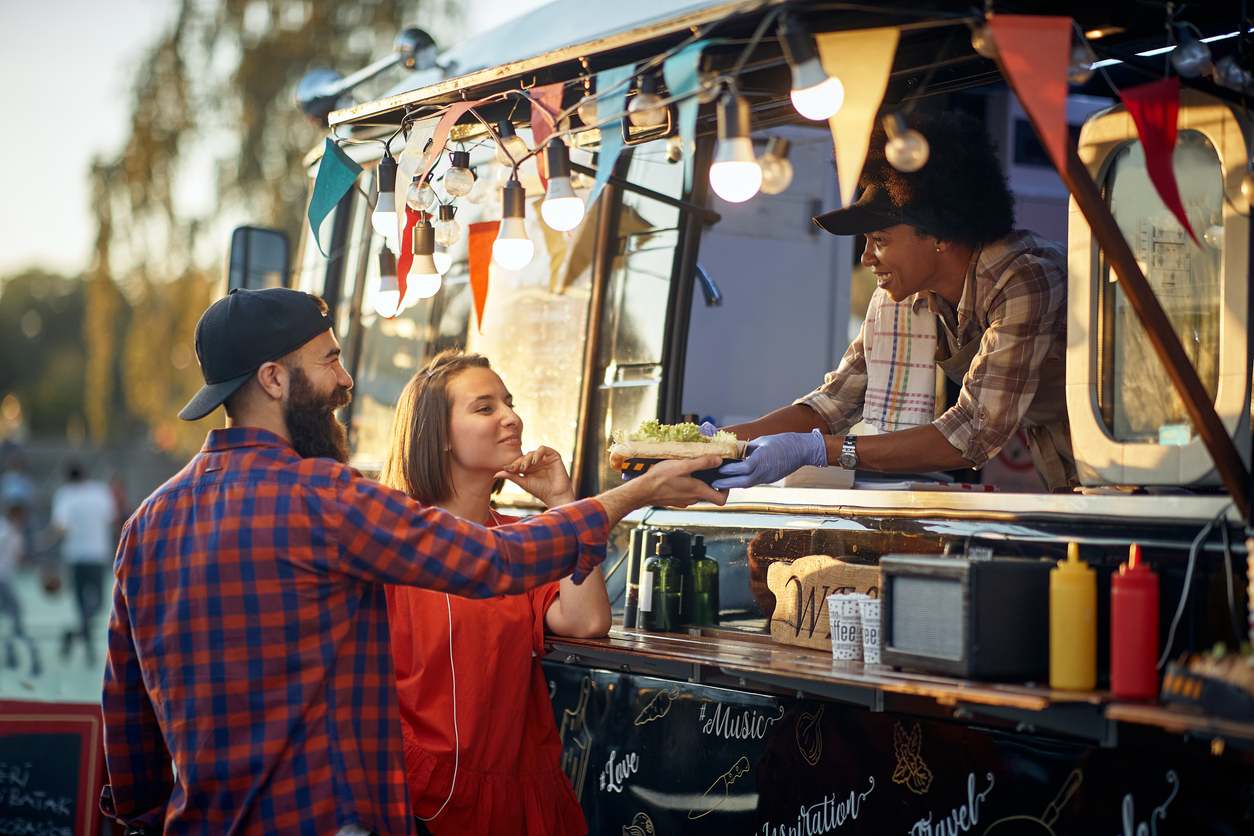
457	745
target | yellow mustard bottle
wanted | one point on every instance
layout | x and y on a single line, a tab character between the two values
1073	624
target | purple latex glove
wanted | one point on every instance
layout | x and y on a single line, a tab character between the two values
708	429
772	457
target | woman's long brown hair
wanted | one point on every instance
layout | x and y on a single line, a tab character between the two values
417	460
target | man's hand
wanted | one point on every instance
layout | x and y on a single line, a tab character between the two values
666	483
772	457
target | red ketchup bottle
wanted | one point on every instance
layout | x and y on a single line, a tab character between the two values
1134	629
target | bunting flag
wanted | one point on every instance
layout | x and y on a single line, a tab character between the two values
336	174
613	84
546	103
1155	108
446	123
681	73
405	258
479	250
1034	51
862	60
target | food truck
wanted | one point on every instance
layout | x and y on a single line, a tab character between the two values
674	298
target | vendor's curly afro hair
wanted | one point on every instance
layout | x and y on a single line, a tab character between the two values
962	185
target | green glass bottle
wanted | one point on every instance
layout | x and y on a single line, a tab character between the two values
703	572
661	588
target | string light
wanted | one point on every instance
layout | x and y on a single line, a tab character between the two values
815	94
735	175
447	230
479	191
383	219
443	260
512	249
776	169
587	109
423	280
1192	59
387	299
459	179
511	149
907	149
647	109
420	196
983	43
562	209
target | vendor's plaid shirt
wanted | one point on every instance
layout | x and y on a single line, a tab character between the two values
249	647
1016	296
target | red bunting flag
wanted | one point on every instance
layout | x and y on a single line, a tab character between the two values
405	258
546	103
1155	108
1035	51
479	245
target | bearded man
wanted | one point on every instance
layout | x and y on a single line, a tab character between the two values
249	687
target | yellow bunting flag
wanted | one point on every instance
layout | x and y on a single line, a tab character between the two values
861	60
1034	52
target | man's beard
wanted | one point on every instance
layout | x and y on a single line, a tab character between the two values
311	424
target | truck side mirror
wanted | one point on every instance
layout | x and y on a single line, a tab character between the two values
260	258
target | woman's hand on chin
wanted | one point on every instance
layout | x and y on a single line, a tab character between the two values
541	474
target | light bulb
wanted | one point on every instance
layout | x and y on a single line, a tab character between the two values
1214	236
1192	59
447	230
512	249
674	148
1228	73
907	149
983	43
479	191
776	169
443	261
423	250
420	195
459	179
1080	70
422	286
815	95
735	175
647	110
383	219
387	299
511	149
562	208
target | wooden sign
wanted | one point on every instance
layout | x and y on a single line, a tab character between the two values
801	589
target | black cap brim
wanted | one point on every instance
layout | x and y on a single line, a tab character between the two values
854	220
211	396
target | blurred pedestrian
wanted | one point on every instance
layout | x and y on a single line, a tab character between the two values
12	554
83	516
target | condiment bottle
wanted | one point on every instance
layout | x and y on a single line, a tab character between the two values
635	556
703	572
1073	624
1134	629
661	585
681	549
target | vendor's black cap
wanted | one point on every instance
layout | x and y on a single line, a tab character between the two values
874	211
242	331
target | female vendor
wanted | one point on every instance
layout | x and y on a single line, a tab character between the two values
481	747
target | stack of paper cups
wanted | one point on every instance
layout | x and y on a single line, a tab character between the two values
846	624
870	610
1249	575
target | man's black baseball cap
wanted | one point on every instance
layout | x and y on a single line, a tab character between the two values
242	331
874	211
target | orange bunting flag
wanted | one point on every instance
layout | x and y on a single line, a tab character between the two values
546	103
1035	51
861	60
479	245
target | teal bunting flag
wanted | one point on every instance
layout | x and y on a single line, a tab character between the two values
336	174
680	74
614	81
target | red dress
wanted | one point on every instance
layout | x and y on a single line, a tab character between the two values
508	774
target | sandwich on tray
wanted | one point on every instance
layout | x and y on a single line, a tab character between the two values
654	441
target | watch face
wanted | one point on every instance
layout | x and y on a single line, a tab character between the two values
848	461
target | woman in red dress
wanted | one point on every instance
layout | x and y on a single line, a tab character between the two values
481	747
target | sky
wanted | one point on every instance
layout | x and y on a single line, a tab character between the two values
70	64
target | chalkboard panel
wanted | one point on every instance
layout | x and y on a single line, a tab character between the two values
51	769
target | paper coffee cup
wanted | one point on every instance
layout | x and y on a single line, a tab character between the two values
846	625
871	641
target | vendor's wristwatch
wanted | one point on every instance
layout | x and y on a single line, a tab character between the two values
849	453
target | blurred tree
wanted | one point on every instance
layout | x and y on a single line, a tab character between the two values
218	86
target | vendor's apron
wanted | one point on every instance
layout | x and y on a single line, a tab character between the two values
1045	423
